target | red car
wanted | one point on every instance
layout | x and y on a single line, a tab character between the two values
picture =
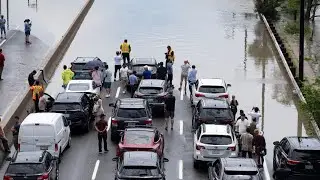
141	139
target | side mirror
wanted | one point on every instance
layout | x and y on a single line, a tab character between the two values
228	85
276	143
165	160
111	104
115	159
9	159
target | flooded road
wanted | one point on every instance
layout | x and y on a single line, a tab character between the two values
222	38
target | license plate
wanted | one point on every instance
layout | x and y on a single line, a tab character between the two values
66	115
131	124
150	100
43	147
309	166
214	152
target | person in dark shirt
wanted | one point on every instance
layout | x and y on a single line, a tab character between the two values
259	144
15	132
31	79
242	114
146	73
234	106
170	102
101	126
161	72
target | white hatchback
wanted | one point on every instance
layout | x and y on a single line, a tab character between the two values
83	86
212	142
209	88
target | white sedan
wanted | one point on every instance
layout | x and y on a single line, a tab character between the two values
84	86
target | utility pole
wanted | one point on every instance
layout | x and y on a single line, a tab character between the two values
301	44
0	7
8	14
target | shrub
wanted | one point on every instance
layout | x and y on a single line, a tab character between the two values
312	94
268	8
294	28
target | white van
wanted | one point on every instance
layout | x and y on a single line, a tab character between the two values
44	131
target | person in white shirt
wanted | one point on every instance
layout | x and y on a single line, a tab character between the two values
255	114
124	77
117	64
42	103
184	75
242	125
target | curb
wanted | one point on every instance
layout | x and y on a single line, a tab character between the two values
24	104
285	62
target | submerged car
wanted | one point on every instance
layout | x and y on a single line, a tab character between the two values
137	64
141	139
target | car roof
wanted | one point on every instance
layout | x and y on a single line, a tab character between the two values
152	83
140	158
69	97
144	60
84	59
239	164
304	143
80	81
132	103
212	82
41	118
29	157
215	129
214	103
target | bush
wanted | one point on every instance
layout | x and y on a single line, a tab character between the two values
312	94
268	8
294	28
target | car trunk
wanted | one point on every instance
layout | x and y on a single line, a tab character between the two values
211	92
307	161
215	146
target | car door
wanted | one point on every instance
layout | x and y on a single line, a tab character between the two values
85	103
66	131
217	170
196	114
49	101
282	152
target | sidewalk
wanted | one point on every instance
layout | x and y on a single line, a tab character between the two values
21	59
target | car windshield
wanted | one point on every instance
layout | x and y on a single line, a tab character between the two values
138	137
306	154
79	87
216	140
216	112
212	89
150	90
131	112
26	168
65	106
78	66
139	171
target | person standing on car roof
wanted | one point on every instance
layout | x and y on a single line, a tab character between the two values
15	132
67	76
184	75
124	77
246	143
125	50
234	106
133	82
161	72
96	77
146	73
170	103
170	73
107	80
117	64
192	78
170	57
36	89
101	126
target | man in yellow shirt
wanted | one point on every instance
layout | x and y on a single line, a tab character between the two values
125	50
36	89
67	76
170	57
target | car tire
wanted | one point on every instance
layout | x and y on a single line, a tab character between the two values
69	143
57	173
86	128
274	163
59	158
195	164
114	138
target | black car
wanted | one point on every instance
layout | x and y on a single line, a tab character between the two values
234	168
129	112
140	165
37	165
301	155
211	111
154	91
137	64
81	72
76	107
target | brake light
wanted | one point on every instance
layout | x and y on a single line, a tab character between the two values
233	148
224	96
118	151
199	95
7	178
292	162
149	121
114	122
199	147
44	176
56	148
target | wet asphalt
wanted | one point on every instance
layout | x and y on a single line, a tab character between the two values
222	38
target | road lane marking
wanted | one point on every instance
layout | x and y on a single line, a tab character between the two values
118	91
5	40
181	127
95	170
109	124
181	95
180	169
266	170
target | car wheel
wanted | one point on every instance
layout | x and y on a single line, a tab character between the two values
86	128
274	163
69	143
195	164
194	123
57	173
114	138
59	158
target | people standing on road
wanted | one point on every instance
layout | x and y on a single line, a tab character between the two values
241	125
96	77
161	72
107	75
146	73
192	78
133	81
98	108
101	126
253	126
184	75
124	72
4	141
36	89
42	103
246	143
259	144
117	65
31	79
234	106
170	57
2	59
170	103
125	51
255	114
15	132
242	114
27	30
67	76
3	27
170	73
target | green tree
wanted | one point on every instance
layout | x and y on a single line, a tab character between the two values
293	8
311	93
269	8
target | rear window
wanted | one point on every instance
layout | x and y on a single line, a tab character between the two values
139	171
131	113
150	90
212	89
216	140
24	168
65	107
216	112
78	66
79	87
306	154
138	137
140	68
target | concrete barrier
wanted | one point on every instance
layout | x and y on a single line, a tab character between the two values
291	71
23	105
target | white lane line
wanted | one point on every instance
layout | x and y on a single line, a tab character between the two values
266	170
181	127
109	124
181	95
95	170
5	40
118	91
180	169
